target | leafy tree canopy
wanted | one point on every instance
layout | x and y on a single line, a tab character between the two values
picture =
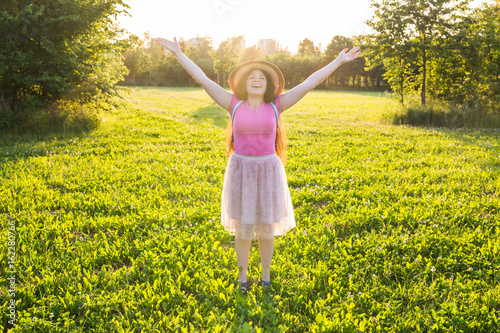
51	48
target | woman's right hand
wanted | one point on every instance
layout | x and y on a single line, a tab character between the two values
172	46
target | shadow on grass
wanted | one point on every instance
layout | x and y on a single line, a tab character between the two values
213	114
13	136
62	120
21	146
485	139
46	131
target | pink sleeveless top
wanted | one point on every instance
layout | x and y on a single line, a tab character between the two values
254	131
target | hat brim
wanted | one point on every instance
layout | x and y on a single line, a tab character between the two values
239	72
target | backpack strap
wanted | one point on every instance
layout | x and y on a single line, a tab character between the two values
234	110
232	118
275	112
277	119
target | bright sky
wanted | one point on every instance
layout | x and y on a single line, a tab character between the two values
287	21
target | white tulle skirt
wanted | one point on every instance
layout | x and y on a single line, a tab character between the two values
256	201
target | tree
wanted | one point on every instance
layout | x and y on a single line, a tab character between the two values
225	57
51	48
336	45
136	59
284	61
467	73
251	53
157	59
171	71
306	47
408	30
200	50
201	47
488	18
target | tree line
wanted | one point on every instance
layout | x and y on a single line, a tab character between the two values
149	66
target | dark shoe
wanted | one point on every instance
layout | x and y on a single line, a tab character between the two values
265	284
243	287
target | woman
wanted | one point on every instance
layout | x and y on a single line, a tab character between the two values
256	200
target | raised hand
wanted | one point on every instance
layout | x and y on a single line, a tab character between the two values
172	46
348	56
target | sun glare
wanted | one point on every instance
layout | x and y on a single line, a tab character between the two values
287	22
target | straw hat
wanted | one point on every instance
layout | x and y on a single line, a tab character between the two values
274	72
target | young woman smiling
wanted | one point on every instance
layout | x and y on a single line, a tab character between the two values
256	202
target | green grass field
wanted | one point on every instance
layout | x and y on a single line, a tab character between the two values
118	230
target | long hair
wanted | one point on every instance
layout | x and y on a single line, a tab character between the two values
268	98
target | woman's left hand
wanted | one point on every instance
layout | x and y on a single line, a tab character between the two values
348	56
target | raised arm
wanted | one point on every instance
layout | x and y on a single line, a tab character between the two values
218	94
294	95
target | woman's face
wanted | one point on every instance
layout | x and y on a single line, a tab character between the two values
256	83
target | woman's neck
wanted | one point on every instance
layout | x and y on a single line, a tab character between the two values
254	102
